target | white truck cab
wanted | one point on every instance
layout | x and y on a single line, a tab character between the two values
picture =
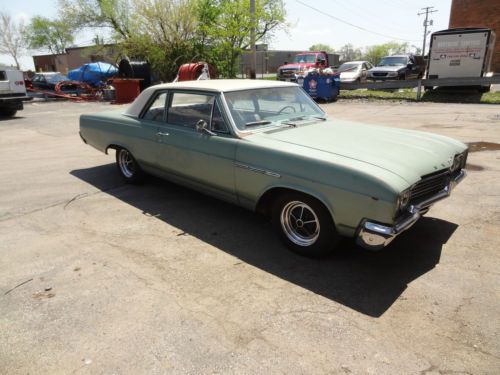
12	91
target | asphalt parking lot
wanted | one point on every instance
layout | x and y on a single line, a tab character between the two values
99	277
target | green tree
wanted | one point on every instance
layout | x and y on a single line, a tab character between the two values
112	14
54	35
11	37
349	53
373	54
164	33
228	27
168	33
321	47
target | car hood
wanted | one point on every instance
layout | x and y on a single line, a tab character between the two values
387	68
349	74
297	66
409	154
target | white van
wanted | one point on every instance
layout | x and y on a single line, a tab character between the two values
12	91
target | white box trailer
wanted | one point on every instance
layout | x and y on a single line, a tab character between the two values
457	53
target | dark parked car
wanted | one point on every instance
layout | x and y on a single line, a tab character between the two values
47	81
398	67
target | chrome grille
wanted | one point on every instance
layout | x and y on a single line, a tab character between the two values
430	185
288	73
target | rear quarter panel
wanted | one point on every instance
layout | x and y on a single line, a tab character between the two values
101	130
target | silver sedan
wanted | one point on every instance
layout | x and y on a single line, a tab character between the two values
354	71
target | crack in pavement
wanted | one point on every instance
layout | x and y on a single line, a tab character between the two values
66	202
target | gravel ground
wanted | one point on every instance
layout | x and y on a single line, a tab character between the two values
103	278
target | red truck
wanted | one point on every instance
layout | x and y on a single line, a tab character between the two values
307	60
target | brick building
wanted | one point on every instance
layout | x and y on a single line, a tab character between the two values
76	57
478	13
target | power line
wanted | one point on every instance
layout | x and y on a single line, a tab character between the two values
353	25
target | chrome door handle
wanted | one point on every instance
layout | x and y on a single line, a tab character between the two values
160	134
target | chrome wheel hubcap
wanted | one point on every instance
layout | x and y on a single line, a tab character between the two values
300	223
126	163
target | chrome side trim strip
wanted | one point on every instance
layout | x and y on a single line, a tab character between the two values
257	170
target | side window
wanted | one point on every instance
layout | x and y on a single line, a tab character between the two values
218	123
156	110
187	109
3	76
364	66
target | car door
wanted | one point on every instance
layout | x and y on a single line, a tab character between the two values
148	136
364	72
413	71
42	83
203	158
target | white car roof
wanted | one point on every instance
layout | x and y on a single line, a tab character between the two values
215	85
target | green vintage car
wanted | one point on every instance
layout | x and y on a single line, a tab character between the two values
268	147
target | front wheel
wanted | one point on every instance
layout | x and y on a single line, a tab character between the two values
128	167
8	112
304	225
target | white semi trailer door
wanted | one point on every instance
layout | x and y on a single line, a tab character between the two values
457	55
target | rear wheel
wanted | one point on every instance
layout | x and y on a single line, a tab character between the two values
128	167
304	225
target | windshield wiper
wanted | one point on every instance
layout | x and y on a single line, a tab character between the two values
256	123
291	122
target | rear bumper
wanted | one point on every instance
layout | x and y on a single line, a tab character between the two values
375	236
14	102
14	99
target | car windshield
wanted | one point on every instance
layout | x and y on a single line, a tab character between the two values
271	107
393	61
309	58
55	78
349	67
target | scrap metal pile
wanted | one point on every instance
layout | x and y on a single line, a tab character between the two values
90	82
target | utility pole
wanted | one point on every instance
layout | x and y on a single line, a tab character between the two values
253	57
426	11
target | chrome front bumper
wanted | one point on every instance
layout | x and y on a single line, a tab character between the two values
374	236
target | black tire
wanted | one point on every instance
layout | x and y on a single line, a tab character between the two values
313	234
485	89
128	167
8	112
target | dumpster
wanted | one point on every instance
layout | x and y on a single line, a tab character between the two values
321	86
126	89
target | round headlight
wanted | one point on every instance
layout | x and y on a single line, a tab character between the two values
457	162
404	199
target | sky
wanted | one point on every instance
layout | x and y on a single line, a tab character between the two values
334	22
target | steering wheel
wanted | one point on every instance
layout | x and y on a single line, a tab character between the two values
285	107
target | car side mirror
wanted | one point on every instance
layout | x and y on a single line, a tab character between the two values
409	66
202	127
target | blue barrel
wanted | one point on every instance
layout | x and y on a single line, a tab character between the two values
320	86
